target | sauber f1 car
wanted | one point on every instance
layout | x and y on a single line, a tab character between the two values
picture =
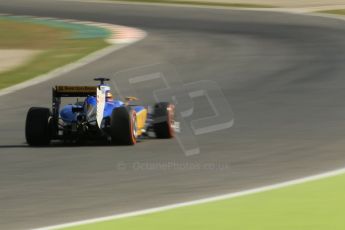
97	117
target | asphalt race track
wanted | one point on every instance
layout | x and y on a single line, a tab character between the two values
282	74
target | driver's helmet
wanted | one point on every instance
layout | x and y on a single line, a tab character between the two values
109	96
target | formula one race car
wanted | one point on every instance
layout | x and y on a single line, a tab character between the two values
97	117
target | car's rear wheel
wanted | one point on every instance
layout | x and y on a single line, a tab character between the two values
163	120
123	126
37	127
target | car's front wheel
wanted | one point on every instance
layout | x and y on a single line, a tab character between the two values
163	120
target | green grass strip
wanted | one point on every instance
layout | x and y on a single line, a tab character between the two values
340	11
202	3
316	205
59	43
80	31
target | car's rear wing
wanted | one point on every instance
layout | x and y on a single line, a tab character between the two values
74	91
60	91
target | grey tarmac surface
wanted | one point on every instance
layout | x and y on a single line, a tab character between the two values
282	74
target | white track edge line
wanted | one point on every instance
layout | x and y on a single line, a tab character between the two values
200	201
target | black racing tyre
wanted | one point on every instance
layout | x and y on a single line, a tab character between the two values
163	120
123	126
38	126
